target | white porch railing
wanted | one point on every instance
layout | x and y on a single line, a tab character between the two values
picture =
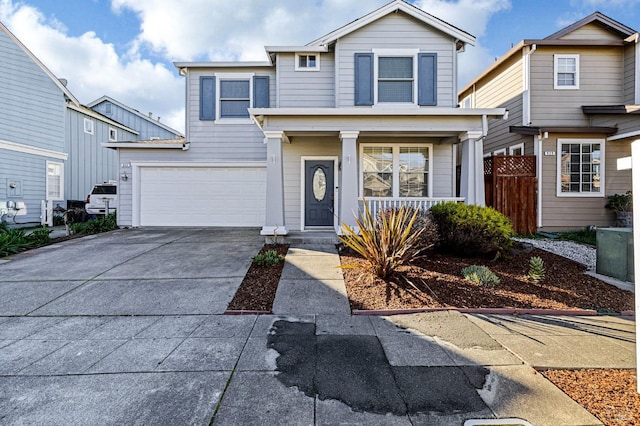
379	204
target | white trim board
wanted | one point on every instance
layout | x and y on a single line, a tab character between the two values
12	146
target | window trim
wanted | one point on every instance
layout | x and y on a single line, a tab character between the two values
517	146
61	183
581	141
297	66
556	57
395	168
233	76
89	126
398	53
113	134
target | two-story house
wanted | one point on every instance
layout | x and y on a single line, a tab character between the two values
50	148
573	100
366	112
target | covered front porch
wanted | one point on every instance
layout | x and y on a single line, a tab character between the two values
323	164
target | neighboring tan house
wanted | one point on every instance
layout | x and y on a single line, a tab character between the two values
147	127
573	100
50	145
297	142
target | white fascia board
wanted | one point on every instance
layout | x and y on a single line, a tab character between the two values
265	64
26	149
297	49
91	113
624	136
489	112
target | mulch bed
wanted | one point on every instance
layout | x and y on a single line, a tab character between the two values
435	281
610	395
258	288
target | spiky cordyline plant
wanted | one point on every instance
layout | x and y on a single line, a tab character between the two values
385	243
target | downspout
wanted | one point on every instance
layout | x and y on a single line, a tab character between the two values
537	146
526	92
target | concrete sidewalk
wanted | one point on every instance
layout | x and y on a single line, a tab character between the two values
138	337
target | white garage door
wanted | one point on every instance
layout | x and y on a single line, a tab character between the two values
202	196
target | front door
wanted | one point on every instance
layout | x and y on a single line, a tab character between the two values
318	193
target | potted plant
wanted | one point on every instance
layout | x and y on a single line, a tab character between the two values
622	205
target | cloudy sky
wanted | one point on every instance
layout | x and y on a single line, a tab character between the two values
125	48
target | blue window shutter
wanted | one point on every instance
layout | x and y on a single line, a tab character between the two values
261	91
207	98
427	78
364	78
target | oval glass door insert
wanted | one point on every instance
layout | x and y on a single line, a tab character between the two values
319	184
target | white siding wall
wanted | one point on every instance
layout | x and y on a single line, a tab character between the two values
214	141
306	89
396	31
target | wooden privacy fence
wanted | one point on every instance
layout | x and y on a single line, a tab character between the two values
511	187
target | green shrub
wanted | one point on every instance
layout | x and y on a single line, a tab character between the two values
96	226
39	236
386	243
536	270
480	275
269	257
471	230
12	241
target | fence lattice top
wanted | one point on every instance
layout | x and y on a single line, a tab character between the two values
510	165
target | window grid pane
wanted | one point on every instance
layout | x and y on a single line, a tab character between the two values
234	98
580	168
395	68
234	89
233	109
414	172
377	167
395	79
566	72
395	91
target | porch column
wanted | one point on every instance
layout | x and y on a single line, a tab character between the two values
274	216
349	179
472	168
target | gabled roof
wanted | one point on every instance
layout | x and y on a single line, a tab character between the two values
627	35
91	113
135	112
37	61
393	7
597	18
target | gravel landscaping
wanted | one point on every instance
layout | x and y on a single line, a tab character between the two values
581	253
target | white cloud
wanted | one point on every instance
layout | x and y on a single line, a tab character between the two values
93	67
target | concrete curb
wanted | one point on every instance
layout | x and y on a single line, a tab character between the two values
243	312
486	311
628	313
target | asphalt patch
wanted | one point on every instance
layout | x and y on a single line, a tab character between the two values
355	371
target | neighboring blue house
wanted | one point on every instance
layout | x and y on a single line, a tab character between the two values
297	142
148	128
50	145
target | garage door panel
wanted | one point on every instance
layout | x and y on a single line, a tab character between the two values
203	196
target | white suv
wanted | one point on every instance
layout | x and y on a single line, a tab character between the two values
102	199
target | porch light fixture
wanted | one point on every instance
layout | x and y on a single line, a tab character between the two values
124	177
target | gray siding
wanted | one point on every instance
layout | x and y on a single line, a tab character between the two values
600	84
88	163
396	31
31	105
306	89
29	170
218	141
147	128
629	79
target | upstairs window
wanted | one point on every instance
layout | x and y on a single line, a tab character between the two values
88	126
395	79
566	71
235	98
307	62
580	167
55	180
113	135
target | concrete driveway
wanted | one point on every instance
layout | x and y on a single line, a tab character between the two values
122	328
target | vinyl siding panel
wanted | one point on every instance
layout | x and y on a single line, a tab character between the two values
32	106
600	84
624	123
396	31
88	163
30	170
147	129
219	141
578	212
590	31
306	89
629	79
